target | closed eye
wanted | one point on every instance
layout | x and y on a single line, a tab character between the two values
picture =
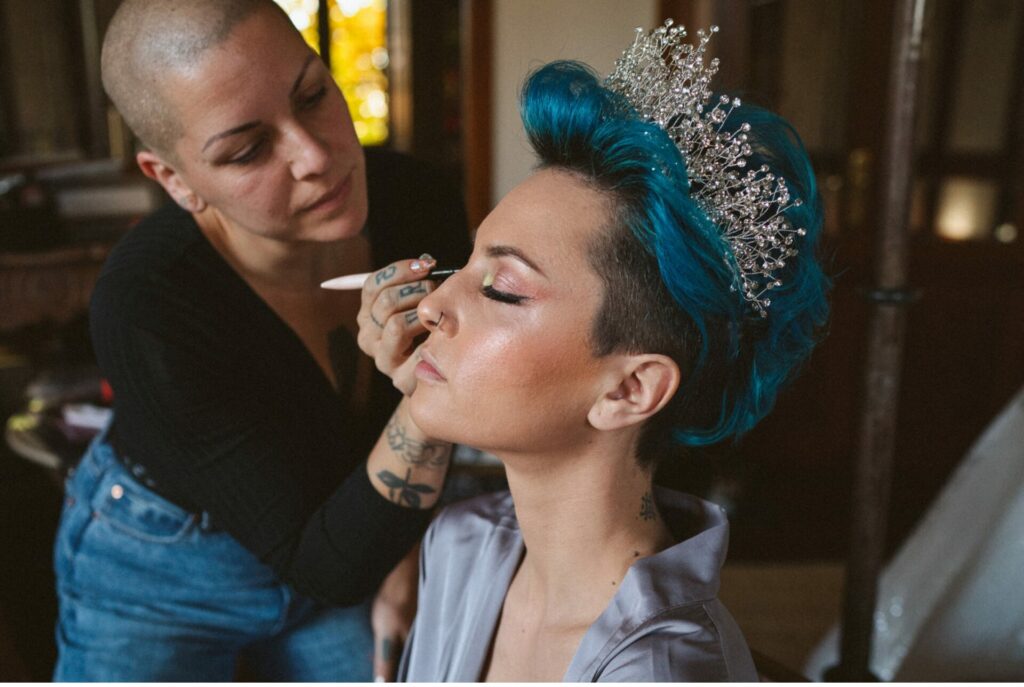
250	154
502	296
311	101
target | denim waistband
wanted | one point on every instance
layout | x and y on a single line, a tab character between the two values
101	462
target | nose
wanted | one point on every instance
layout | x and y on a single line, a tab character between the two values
435	310
309	156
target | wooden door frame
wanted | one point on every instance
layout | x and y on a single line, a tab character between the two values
477	104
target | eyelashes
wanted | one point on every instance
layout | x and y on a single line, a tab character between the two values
312	100
249	155
502	296
252	152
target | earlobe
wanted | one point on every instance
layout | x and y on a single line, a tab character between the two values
193	203
154	167
646	384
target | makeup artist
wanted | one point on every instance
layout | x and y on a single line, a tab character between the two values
260	480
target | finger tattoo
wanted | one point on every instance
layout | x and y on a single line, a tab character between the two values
411	289
385	274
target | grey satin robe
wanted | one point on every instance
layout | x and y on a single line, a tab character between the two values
664	623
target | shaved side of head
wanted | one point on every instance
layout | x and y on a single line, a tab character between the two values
147	39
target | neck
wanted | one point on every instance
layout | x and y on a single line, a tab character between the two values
585	519
276	264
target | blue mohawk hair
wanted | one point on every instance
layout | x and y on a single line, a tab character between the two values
733	364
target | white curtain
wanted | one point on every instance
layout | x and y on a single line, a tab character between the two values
951	601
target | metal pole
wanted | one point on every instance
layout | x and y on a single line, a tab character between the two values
890	296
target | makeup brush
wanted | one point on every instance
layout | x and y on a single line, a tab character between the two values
352	282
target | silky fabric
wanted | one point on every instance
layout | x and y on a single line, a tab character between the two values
664	624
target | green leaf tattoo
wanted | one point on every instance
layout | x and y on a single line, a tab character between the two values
403	491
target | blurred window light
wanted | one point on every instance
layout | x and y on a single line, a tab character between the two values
303	14
359	57
967	209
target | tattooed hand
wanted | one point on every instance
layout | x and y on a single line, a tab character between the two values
392	614
388	325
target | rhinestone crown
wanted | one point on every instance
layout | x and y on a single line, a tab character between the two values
668	83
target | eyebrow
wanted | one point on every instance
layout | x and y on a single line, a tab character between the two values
510	251
250	125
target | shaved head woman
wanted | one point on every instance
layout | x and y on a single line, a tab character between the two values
246	504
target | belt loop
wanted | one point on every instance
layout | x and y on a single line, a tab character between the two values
205	523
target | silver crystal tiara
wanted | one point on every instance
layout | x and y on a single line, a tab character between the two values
668	83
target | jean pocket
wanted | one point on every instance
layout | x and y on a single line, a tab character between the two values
132	509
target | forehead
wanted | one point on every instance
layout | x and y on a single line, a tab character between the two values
256	62
553	215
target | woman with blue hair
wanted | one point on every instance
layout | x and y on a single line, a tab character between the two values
653	281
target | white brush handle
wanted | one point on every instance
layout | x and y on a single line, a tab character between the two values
349	282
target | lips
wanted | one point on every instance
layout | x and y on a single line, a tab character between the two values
335	196
428	369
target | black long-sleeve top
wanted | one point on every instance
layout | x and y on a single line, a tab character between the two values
227	411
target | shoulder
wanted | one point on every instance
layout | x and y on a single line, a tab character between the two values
165	261
390	169
399	184
415	206
153	257
156	242
697	642
465	522
165	279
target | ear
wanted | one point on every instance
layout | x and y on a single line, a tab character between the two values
154	167
644	385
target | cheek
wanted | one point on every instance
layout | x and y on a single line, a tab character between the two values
256	197
333	126
523	385
529	362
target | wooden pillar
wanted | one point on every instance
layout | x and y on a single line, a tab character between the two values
477	69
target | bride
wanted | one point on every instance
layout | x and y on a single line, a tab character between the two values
640	287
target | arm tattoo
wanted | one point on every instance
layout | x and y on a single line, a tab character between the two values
387	650
647	511
402	491
414	452
385	274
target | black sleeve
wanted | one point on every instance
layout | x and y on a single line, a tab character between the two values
216	430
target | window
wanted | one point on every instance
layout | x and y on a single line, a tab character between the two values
357	53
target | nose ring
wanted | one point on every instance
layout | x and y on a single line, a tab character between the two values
439	318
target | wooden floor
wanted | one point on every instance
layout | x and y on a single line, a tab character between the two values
784	609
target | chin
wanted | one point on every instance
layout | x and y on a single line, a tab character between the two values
432	419
482	431
345	226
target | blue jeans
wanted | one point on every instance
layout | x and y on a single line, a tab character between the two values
150	592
